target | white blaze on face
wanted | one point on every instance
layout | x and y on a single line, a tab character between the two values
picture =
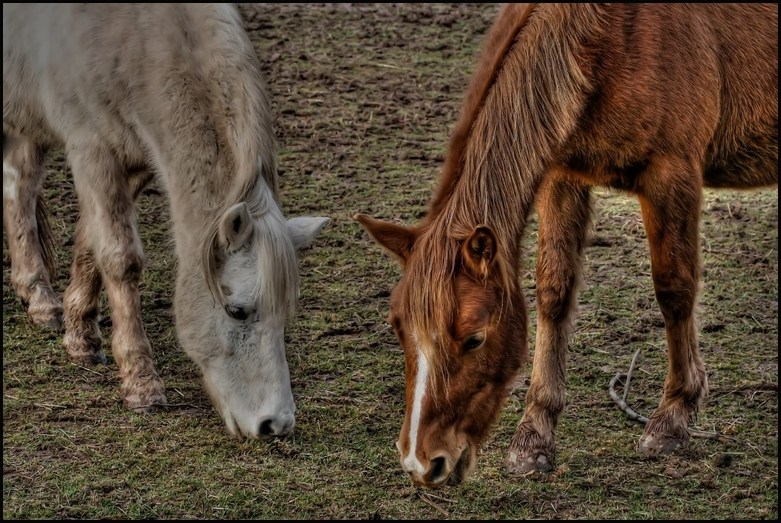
411	462
10	182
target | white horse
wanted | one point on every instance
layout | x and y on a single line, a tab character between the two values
132	91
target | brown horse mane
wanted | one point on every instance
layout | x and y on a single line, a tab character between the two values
498	41
524	99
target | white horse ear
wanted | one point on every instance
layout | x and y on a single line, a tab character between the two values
303	229
236	227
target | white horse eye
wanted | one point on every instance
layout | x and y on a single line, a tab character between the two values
237	313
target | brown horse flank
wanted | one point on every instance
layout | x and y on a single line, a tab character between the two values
658	101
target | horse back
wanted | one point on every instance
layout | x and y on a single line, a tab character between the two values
131	74
698	81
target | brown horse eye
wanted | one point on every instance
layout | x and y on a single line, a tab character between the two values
473	342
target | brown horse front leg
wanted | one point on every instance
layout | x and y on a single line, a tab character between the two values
670	201
564	211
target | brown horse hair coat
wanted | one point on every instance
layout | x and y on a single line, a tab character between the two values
656	100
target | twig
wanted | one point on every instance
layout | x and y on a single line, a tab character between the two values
425	498
634	416
629	374
432	495
389	66
50	406
87	369
755	387
631	414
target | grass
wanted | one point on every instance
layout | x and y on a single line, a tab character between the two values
365	96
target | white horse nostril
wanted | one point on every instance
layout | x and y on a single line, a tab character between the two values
279	426
286	424
266	428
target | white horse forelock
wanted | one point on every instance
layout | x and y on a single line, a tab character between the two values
275	254
274	250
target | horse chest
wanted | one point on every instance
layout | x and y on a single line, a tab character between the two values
625	177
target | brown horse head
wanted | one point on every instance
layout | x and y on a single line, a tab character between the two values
463	331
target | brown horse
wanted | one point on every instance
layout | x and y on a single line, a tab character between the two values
655	100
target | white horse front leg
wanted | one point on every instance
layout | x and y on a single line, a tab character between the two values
25	228
82	337
107	210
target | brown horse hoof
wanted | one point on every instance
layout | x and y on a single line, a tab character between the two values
525	463
654	444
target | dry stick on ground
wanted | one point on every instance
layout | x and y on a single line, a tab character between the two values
425	497
634	416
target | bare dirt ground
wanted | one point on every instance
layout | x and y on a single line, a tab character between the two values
365	96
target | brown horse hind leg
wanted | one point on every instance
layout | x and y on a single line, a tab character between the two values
27	231
670	202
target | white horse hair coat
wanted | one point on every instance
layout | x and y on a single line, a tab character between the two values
132	91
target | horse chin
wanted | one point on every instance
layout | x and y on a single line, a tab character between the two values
232	426
464	466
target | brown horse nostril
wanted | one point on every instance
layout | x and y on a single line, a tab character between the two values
265	428
437	470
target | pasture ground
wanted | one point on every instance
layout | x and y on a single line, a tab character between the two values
365	96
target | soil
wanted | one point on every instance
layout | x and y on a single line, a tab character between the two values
364	97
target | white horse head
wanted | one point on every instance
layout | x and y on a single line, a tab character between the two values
236	333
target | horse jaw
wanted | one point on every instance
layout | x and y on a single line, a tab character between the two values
243	362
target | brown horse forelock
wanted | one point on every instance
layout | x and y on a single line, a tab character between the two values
428	291
486	166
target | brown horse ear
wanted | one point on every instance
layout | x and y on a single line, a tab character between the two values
396	239
479	251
